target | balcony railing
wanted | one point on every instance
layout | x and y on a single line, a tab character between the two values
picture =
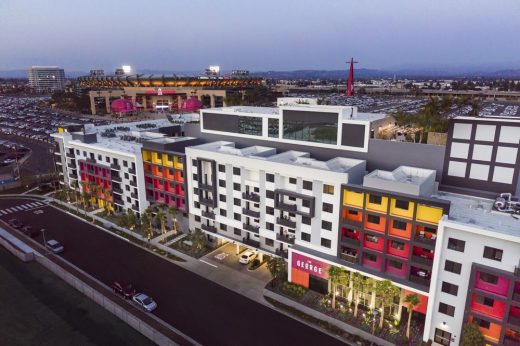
348	240
206	201
208	214
117	190
422	260
70	155
91	160
516	297
349	257
131	170
514	320
419	280
424	240
205	186
134	207
285	238
253	197
282	253
285	222
209	228
116	178
352	222
114	166
70	165
249	212
251	228
133	195
251	242
133	183
289	207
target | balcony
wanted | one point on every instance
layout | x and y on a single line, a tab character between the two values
205	186
285	222
422	260
288	207
209	228
115	178
117	190
282	253
516	296
149	185
249	212
208	214
514	320
133	195
70	155
251	228
419	280
131	170
511	341
135	208
116	167
251	242
351	241
351	222
118	201
349	257
71	165
90	160
206	201
133	183
253	197
424	240
285	238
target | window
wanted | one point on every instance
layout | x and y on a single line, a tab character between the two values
125	163
99	157
223	227
273	128
306	203
195	191
352	212
269	210
397	245
250	125
237	231
307	185
492	253
237	217
442	337
310	129
306	220
485	301
194	162
370	257
482	323
197	218
374	199
223	212
373	219
221	183
126	176
236	201
489	278
269	226
399	225
402	204
127	188
327	207
222	168
197	205
326	225
222	198
292	180
325	242
328	189
450	288
306	237
371	238
236	171
269	177
269	194
456	244
453	267
194	177
446	309
236	186
269	242
395	264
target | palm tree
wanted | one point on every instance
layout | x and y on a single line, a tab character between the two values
75	186
147	218
358	282
337	276
161	216
173	211
198	239
386	291
122	221
131	219
276	267
413	300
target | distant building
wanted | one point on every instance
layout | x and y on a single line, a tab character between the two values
97	72
46	78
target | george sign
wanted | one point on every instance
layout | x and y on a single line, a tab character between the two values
310	265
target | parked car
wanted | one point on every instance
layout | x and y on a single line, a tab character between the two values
247	257
127	291
54	246
30	231
145	302
15	223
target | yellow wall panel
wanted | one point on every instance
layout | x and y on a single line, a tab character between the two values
428	214
406	213
382	208
353	198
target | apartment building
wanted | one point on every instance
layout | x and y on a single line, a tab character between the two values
46	78
267	200
106	161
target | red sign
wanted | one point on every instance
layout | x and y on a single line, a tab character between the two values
310	265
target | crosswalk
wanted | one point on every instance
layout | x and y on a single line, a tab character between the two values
26	206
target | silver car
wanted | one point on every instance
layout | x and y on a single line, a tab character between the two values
145	302
54	246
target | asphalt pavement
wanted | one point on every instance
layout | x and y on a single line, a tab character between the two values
202	309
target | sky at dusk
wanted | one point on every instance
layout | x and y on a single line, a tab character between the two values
258	35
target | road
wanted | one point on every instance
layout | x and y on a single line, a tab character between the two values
207	312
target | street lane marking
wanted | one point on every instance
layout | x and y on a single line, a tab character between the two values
25	206
210	264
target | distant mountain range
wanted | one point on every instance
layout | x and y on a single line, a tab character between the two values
361	73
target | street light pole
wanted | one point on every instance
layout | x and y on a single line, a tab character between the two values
44	242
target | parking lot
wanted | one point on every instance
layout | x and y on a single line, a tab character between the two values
202	309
